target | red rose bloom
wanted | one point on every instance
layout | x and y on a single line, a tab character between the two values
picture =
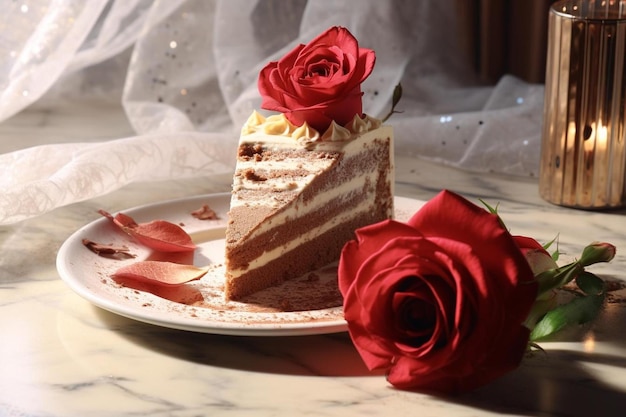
438	302
319	82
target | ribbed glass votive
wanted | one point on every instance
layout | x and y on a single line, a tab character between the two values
583	155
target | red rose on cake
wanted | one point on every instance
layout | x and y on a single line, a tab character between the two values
319	82
438	302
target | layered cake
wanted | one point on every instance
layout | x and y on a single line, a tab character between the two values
298	195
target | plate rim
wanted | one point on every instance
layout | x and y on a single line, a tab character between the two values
184	323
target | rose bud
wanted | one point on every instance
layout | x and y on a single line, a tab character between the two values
597	252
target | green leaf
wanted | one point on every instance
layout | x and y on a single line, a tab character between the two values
539	310
590	283
546	246
556	278
494	210
556	253
490	209
580	310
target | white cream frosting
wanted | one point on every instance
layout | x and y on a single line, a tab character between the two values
278	129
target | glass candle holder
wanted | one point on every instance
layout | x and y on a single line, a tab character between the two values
583	154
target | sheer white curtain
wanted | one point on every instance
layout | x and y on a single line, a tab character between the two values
185	72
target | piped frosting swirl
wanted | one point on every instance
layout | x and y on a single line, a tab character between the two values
305	135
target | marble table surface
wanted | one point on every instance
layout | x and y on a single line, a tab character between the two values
62	356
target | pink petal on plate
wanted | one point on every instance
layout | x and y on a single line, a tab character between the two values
156	272
159	235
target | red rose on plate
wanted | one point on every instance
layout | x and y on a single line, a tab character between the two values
319	82
439	302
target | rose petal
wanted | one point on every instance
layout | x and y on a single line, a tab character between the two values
375	351
377	282
368	301
336	35
321	115
538	258
452	217
369	240
159	235
525	242
157	272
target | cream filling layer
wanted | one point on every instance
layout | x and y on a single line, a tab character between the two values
275	184
326	197
279	251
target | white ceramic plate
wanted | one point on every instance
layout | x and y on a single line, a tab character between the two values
199	305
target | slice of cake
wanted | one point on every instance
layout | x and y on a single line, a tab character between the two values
298	196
